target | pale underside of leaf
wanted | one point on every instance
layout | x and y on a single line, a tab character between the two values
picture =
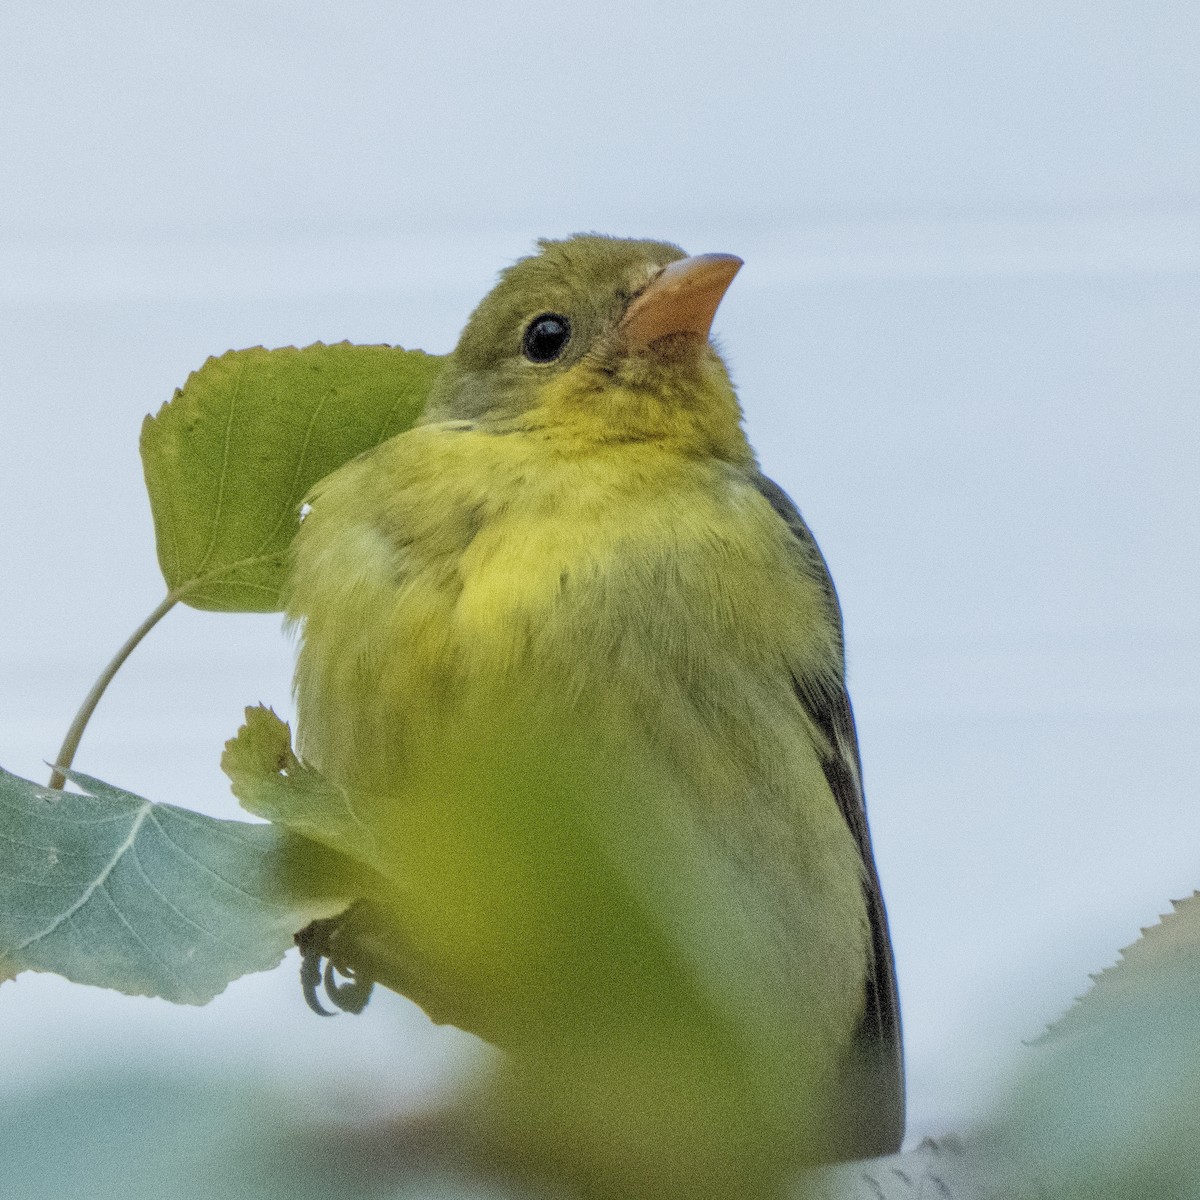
109	889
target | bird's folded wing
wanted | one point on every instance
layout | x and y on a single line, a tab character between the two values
879	1119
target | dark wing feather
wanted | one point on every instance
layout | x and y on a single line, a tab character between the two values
875	1116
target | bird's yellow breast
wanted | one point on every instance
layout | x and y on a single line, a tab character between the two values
450	556
654	594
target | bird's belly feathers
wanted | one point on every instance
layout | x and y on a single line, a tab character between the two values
665	610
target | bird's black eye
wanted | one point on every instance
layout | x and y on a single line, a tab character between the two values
546	338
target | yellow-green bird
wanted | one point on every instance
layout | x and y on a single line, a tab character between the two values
580	666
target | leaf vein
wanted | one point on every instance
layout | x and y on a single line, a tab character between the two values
162	962
173	531
402	396
203	865
97	883
166	900
234	394
293	499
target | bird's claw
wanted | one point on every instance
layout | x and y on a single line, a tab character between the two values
319	971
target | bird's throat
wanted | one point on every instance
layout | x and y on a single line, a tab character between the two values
687	407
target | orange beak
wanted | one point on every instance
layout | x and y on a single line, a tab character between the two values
682	299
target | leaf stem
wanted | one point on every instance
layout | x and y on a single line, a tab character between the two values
66	754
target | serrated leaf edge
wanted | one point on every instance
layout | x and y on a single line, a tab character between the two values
1096	977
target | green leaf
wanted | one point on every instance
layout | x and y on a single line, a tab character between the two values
1172	944
109	889
1109	1102
271	782
229	460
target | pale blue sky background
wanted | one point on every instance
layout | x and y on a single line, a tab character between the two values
965	337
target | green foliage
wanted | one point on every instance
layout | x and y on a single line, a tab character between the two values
1110	1102
271	782
109	889
230	458
1170	948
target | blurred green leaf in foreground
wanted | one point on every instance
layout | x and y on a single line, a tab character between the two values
541	890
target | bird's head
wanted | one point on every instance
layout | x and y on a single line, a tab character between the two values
600	339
